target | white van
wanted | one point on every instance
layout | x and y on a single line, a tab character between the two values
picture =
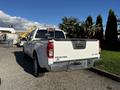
9	34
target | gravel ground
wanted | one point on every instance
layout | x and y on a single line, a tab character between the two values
16	74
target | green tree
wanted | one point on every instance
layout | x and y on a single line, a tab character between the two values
71	26
88	27
83	30
99	28
111	29
89	21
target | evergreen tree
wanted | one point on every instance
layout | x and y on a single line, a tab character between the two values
99	28
88	26
111	30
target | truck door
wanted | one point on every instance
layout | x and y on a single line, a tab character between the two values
30	43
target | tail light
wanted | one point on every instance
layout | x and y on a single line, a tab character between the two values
50	49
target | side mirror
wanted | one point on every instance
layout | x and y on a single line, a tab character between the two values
28	38
24	39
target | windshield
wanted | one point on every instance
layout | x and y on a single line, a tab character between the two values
49	34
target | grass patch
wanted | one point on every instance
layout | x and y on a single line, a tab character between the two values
110	61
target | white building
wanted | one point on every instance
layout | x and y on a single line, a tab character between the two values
118	34
118	27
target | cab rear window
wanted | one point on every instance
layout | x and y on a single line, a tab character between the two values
49	34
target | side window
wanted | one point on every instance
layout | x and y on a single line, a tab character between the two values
41	34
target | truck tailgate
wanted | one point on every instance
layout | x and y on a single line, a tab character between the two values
75	50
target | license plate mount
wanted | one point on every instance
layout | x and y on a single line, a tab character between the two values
78	65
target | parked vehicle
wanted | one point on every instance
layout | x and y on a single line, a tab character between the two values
50	49
8	35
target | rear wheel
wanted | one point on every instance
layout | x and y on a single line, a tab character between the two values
36	66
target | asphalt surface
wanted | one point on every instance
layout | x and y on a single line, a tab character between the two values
16	74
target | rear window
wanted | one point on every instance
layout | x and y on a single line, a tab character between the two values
49	34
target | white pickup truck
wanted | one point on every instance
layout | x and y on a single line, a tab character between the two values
50	49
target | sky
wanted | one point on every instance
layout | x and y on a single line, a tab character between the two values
52	11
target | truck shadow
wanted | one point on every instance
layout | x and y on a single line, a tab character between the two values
26	63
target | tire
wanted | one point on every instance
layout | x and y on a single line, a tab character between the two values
36	66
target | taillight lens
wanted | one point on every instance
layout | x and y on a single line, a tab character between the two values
50	49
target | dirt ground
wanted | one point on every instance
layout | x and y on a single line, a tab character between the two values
16	73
